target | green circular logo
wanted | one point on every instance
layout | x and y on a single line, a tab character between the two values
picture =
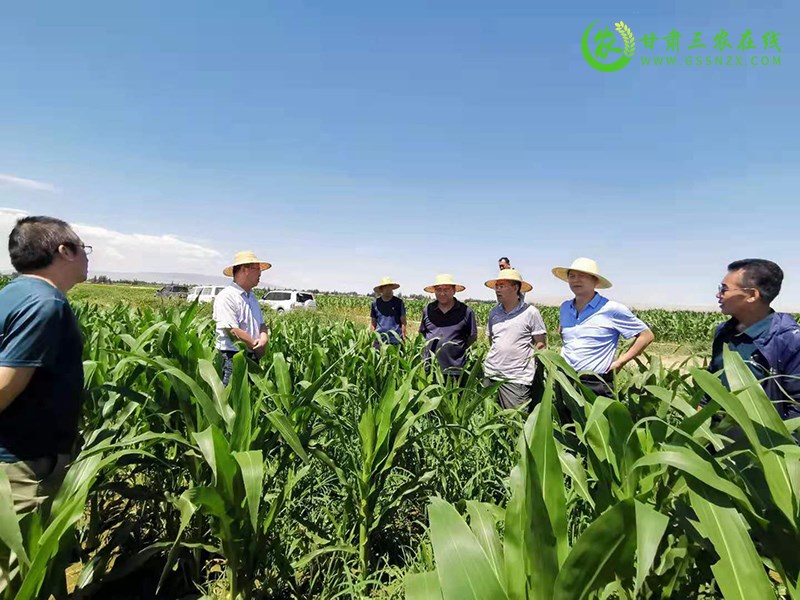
600	50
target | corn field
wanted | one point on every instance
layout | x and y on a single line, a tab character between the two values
333	469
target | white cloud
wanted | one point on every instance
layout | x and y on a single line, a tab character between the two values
27	184
129	252
10	215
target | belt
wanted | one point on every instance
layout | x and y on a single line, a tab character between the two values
231	353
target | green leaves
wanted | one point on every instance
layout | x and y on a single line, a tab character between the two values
548	469
604	551
650	528
469	559
10	533
251	465
307	474
284	427
423	586
464	570
739	571
692	464
483	522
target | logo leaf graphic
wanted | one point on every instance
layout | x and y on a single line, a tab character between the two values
627	37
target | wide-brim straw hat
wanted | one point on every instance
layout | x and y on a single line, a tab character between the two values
582	265
444	279
246	257
386	281
510	275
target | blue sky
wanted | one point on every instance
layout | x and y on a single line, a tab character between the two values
345	141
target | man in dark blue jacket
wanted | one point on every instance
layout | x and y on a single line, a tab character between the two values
769	342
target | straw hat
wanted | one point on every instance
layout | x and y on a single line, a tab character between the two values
510	275
444	279
386	281
245	257
583	265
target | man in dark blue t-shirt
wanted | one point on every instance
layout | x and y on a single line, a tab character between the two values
41	368
388	313
449	327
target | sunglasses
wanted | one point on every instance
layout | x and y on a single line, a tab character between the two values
724	289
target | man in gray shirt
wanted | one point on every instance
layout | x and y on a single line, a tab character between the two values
514	330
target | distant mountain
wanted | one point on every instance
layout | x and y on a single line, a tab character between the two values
185	278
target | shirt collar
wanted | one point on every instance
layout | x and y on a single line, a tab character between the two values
240	289
514	310
435	307
758	328
591	304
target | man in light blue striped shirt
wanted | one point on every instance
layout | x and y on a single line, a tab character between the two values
591	325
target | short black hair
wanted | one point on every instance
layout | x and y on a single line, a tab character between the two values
34	242
763	275
504	258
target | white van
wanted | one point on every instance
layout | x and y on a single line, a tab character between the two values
204	293
287	300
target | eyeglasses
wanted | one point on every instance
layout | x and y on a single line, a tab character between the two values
87	250
724	289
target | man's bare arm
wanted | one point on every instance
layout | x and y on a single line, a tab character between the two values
541	341
12	381
642	341
242	335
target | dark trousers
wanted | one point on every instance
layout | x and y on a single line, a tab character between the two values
600	384
227	363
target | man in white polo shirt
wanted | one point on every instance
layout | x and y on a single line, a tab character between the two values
591	325
514	330
237	313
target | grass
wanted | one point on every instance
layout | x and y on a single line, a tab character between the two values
112	294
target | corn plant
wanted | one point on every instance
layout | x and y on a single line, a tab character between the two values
735	507
308	476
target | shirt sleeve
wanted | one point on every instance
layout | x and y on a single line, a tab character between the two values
626	322
791	383
423	328
373	311
472	323
258	314
537	322
225	312
33	335
402	308
562	314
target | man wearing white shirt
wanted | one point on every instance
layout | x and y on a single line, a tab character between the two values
238	315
